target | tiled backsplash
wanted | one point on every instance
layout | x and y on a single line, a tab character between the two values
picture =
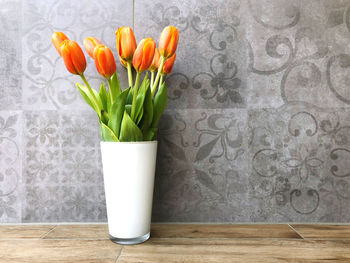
257	127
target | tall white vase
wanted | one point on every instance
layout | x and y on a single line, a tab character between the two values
128	172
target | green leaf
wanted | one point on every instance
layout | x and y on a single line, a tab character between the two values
149	134
129	99
104	97
109	103
128	109
116	113
141	98
88	97
147	111
107	134
139	117
129	131
115	85
159	104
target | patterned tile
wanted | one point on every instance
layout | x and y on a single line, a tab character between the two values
47	84
10	166
201	166
257	123
294	50
210	63
62	163
10	55
298	164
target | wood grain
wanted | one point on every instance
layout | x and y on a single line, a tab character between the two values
235	250
178	243
323	231
24	231
222	231
67	251
90	231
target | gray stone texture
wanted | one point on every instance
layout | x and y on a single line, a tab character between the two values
257	127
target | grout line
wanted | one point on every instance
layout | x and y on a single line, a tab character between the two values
46	234
296	231
120	252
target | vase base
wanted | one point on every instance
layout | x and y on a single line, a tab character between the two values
130	241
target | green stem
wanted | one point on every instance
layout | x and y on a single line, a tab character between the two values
153	89
92	94
152	78
129	73
161	81
110	89
133	106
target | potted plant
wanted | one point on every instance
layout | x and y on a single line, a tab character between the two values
128	121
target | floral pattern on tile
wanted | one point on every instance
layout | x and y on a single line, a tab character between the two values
298	164
10	166
212	36
10	55
200	174
62	167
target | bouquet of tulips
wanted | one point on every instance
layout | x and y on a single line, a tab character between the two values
131	114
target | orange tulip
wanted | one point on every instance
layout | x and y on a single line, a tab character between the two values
155	62
143	55
57	38
168	41
168	64
90	43
104	61
126	43
73	57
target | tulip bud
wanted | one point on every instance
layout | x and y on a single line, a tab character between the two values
143	55
126	43
57	38
73	57
90	43
104	61
155	62
168	64
168	41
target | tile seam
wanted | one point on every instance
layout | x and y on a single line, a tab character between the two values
46	234
296	231
120	252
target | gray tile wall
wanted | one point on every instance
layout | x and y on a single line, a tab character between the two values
257	127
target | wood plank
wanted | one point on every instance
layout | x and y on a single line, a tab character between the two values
24	231
67	251
236	250
90	231
315	231
222	231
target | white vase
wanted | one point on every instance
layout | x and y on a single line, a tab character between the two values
128	172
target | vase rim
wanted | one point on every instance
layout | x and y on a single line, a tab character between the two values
139	142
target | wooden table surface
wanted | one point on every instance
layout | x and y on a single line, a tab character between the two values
177	243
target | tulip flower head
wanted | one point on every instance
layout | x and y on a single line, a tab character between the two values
126	43
143	55
57	39
168	41
90	43
155	62
104	60
168	64
73	57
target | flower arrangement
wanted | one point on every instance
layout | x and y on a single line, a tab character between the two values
131	114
